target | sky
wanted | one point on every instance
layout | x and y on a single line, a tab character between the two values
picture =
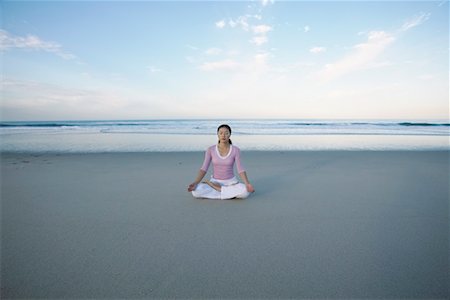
117	60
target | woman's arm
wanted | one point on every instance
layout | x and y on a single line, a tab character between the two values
202	171
242	172
248	185
215	186
199	178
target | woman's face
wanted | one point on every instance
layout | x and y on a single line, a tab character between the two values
223	134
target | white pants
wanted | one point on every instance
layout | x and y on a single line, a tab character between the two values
230	188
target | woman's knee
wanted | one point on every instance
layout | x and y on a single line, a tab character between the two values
243	195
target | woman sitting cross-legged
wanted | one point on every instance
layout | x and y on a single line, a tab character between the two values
223	183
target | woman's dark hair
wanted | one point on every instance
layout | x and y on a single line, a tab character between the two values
224	126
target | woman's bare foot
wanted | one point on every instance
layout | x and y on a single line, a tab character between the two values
215	186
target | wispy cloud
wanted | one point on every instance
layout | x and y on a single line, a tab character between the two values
153	69
427	77
36	100
241	21
259	40
362	56
253	24
306	29
260	32
415	21
220	24
32	98
317	50
213	51
194	48
246	23
227	64
262	29
32	42
267	2
260	62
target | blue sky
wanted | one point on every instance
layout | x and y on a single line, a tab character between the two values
211	59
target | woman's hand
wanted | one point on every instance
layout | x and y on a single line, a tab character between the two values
249	187
199	178
192	187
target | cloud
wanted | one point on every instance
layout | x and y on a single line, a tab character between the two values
194	48
362	57
31	42
32	99
260	62
259	40
244	22
213	51
376	42
232	23
415	21
190	59
316	50
153	69
220	24
261	58
266	2
306	29
241	21
261	29
426	77
227	64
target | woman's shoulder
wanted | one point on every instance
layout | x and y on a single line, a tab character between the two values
211	148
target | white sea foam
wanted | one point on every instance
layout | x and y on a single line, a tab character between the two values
196	135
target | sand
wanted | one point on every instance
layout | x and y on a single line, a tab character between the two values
337	224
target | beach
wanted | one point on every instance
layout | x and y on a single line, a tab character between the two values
321	224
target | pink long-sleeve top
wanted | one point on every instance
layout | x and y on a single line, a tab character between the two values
223	165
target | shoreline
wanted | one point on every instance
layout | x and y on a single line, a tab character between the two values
59	153
128	142
321	224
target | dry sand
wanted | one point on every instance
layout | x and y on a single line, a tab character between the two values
320	225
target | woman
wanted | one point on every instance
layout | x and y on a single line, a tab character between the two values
223	183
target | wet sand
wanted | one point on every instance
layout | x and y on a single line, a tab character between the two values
336	224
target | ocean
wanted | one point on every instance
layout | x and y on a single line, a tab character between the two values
196	135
